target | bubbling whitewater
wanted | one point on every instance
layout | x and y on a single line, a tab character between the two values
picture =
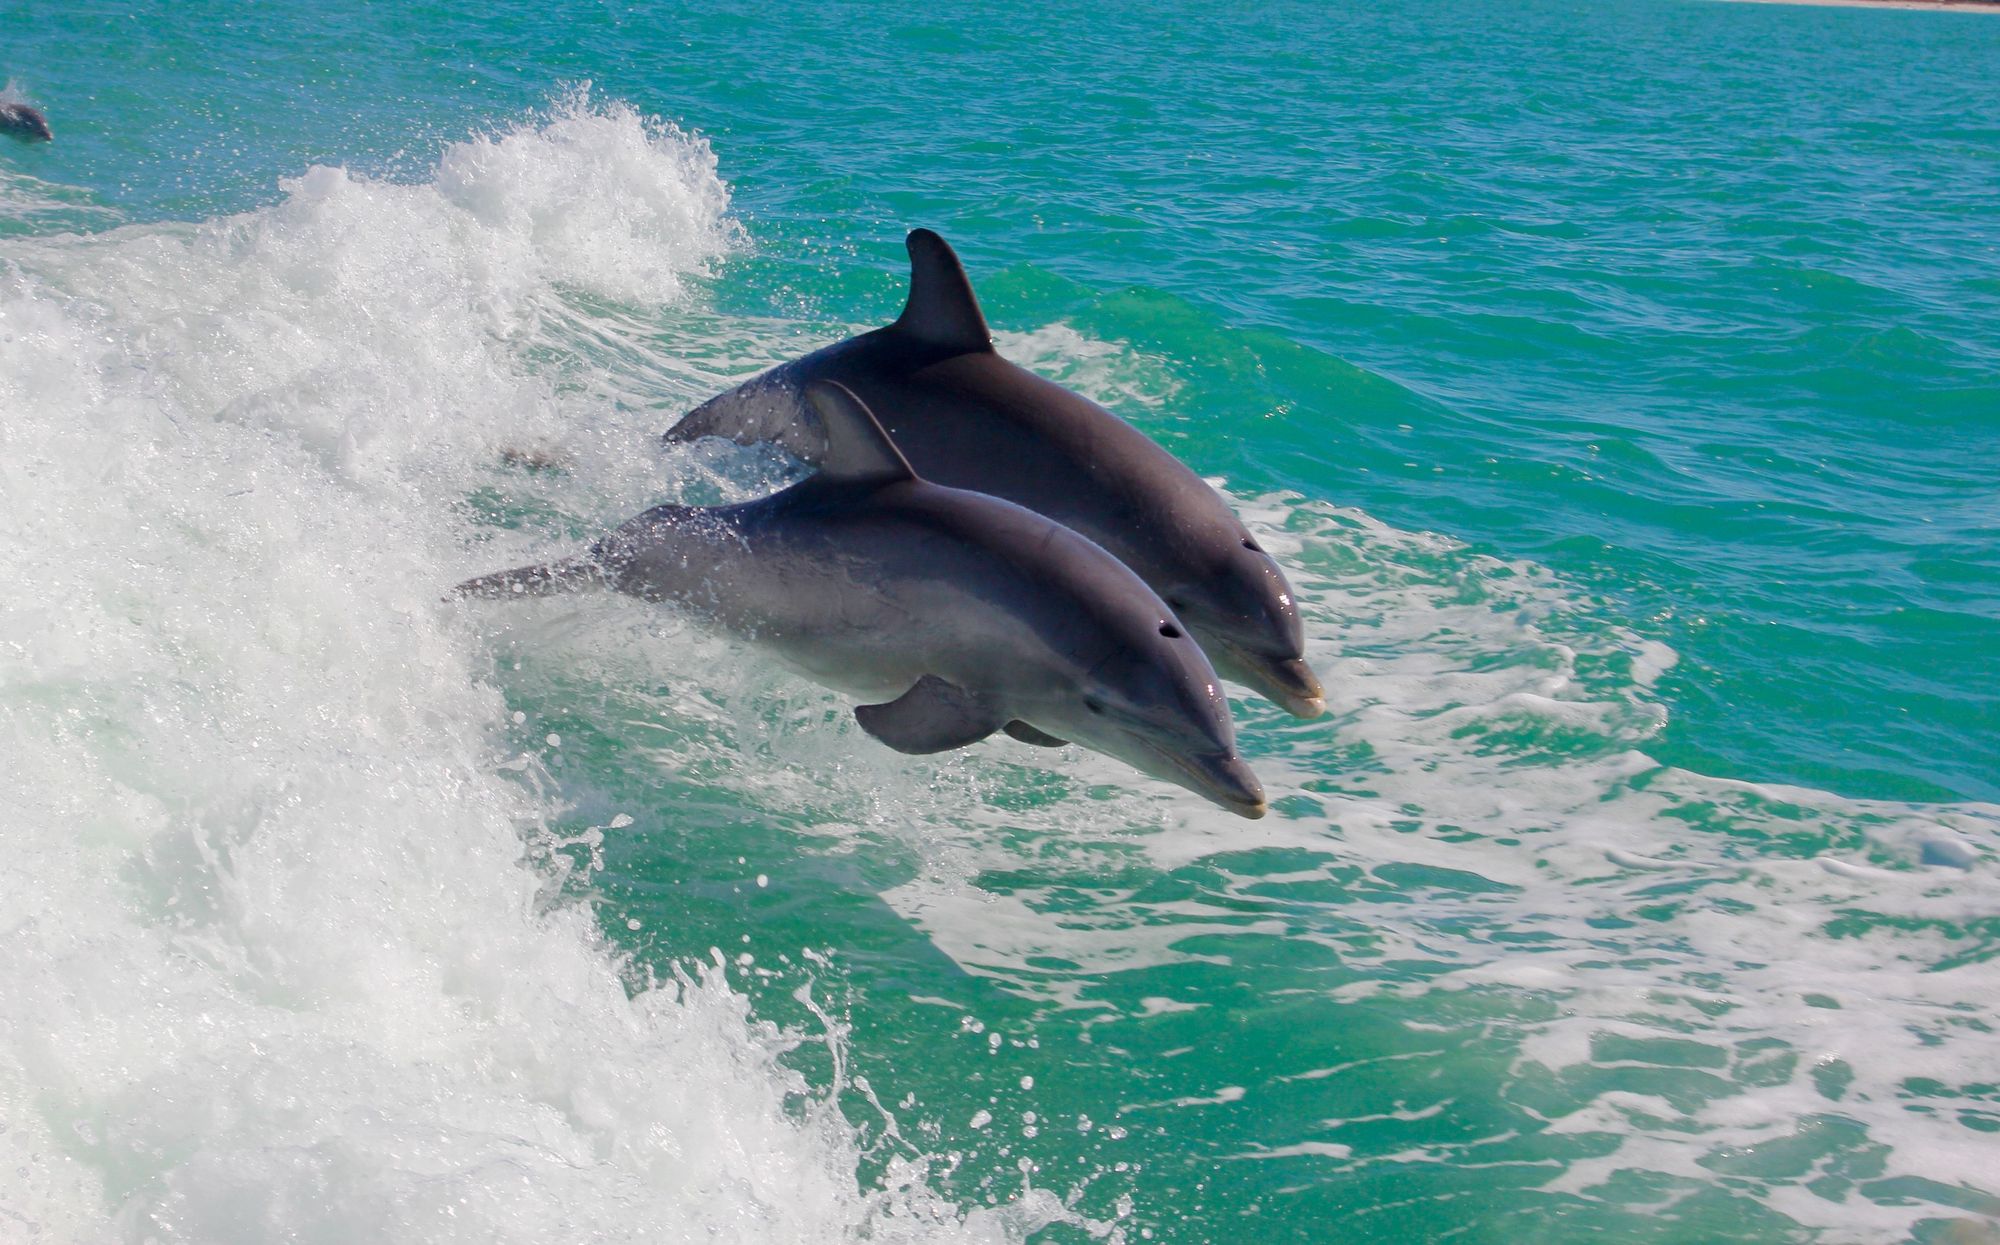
275	966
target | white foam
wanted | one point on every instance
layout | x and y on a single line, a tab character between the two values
1109	372
275	966
28	202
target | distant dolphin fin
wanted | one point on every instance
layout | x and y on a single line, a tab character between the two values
568	575
1029	735
942	310
857	450
933	716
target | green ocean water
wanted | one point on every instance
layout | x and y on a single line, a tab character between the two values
1618	382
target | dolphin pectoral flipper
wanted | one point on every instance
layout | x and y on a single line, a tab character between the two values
942	311
551	579
933	716
1029	735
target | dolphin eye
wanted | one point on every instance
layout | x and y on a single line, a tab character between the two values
1170	631
1252	545
1093	704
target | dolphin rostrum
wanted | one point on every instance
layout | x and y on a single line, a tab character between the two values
968	418
960	613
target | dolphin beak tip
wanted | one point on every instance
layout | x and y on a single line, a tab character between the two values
1226	780
1306	706
1288	681
1246	798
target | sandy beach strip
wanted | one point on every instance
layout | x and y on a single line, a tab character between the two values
1954	6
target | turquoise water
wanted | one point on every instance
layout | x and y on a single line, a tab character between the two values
1618	381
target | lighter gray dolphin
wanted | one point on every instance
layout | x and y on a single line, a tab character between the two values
967	418
958	614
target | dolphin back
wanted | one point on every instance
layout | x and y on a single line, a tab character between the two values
940	320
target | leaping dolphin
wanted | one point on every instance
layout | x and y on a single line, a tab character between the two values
970	419
960	613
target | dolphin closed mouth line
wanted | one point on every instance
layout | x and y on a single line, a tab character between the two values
1288	681
1221	777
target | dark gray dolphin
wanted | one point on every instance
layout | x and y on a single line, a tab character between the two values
961	613
968	418
25	122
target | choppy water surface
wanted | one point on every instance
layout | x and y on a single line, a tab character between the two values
1618	382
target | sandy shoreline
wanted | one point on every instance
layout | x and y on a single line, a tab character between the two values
1955	6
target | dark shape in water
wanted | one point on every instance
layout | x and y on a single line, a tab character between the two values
25	122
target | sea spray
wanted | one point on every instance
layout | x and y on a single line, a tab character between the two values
276	966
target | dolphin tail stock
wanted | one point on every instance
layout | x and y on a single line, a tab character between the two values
547	580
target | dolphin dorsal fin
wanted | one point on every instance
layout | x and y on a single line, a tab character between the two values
857	450
942	310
